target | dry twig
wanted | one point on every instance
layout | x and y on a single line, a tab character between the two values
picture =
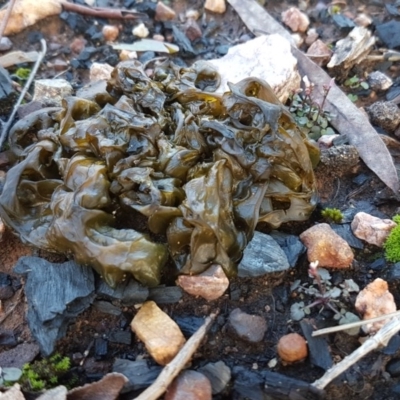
380	339
6	126
102	12
172	370
351	325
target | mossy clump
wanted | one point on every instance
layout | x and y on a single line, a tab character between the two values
45	374
392	243
23	73
332	214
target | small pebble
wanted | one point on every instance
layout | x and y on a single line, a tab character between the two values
192	14
5	44
217	6
59	65
192	29
320	53
164	13
125	55
77	45
189	385
52	89
140	31
161	335
363	20
377	80
158	37
373	301
292	348
219	375
372	229
326	141
210	284
327	247
100	71
110	33
295	19
384	114
298	39
312	36
248	327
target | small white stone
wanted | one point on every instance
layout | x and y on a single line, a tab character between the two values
140	31
99	72
192	14
298	39
277	66
272	363
52	89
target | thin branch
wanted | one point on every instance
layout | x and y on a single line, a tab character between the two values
101	12
380	339
172	369
4	22
6	126
351	325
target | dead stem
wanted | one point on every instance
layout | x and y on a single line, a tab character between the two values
6	126
344	327
381	338
101	12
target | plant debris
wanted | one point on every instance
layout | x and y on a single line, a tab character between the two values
203	168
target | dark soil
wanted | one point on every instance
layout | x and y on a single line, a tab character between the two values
268	296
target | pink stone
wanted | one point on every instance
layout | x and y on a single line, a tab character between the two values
319	52
210	284
296	20
373	301
189	385
327	247
371	229
164	13
192	29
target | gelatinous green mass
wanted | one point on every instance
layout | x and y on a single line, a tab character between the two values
204	169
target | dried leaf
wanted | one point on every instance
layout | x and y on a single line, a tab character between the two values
148	45
18	57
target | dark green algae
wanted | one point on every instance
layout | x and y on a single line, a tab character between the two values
203	168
